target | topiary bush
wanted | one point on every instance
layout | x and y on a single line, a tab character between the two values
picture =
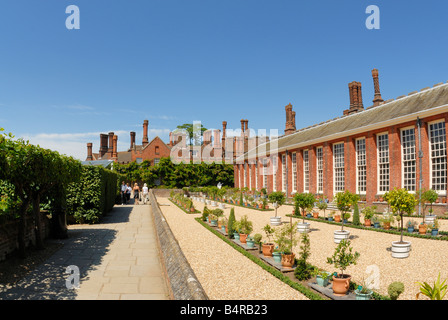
395	289
230	223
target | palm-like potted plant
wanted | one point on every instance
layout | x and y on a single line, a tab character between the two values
277	199
342	258
304	201
401	201
322	205
268	247
344	201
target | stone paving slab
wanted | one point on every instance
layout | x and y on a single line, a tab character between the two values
118	259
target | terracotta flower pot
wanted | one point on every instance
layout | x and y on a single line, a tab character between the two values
316	215
341	285
267	249
337	218
243	237
288	260
386	225
422	228
367	222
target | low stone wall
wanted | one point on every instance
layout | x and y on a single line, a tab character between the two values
183	282
9	234
164	192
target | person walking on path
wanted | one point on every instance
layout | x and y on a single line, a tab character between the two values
128	192
123	193
136	193
145	193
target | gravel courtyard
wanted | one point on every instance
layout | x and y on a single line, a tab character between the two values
226	274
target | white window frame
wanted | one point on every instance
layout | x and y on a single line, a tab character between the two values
320	169
294	171
431	157
250	176
383	162
361	166
284	177
244	174
274	160
306	170
338	170
408	155
265	173
256	175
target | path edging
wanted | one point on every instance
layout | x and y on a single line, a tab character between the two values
183	282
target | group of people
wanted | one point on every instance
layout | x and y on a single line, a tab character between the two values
126	191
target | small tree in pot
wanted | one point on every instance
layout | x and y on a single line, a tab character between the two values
305	201
277	199
342	259
286	239
401	201
245	228
268	247
344	201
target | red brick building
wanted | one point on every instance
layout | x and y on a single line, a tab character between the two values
366	151
148	150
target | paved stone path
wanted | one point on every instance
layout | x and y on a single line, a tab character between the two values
117	259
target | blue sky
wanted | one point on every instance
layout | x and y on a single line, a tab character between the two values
174	62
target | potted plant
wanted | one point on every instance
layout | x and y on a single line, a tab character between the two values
223	221
304	201
236	227
436	292
268	247
401	201
277	255
213	220
322	205
347	216
277	199
368	213
250	241
422	228
429	196
322	277
376	221
257	239
344	201
411	224
342	258
286	239
245	228
435	228
386	220
331	215
363	292
315	214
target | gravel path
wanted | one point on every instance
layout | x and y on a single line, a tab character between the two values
224	273
222	280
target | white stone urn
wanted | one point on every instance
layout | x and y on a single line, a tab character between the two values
303	227
276	221
400	249
214	204
340	235
430	218
222	205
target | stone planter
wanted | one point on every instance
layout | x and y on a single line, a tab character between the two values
303	227
363	296
287	260
340	235
277	257
401	250
341	285
214	204
276	221
222	206
267	249
429	219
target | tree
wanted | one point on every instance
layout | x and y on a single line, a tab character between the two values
194	131
344	201
305	201
401	201
277	198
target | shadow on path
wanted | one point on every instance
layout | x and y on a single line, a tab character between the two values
85	248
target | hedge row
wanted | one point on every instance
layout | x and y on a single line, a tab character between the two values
94	195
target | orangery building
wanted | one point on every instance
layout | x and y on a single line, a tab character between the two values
395	143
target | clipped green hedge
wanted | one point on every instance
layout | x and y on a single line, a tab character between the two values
93	196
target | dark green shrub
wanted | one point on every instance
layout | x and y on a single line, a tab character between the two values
231	222
356	220
395	289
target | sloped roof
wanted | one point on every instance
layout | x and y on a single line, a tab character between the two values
104	163
414	104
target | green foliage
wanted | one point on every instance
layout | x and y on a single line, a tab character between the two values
436	292
286	237
343	256
245	225
304	201
277	197
93	196
356	221
369	212
395	289
230	223
269	232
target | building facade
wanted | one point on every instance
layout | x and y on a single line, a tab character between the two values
395	143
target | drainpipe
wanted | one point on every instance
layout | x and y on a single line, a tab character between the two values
420	157
286	169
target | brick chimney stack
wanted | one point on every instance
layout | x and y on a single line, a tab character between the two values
242	126
103	145
145	133
355	93
89	152
114	147
377	100
216	135
110	143
132	139
290	125
223	138
171	139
